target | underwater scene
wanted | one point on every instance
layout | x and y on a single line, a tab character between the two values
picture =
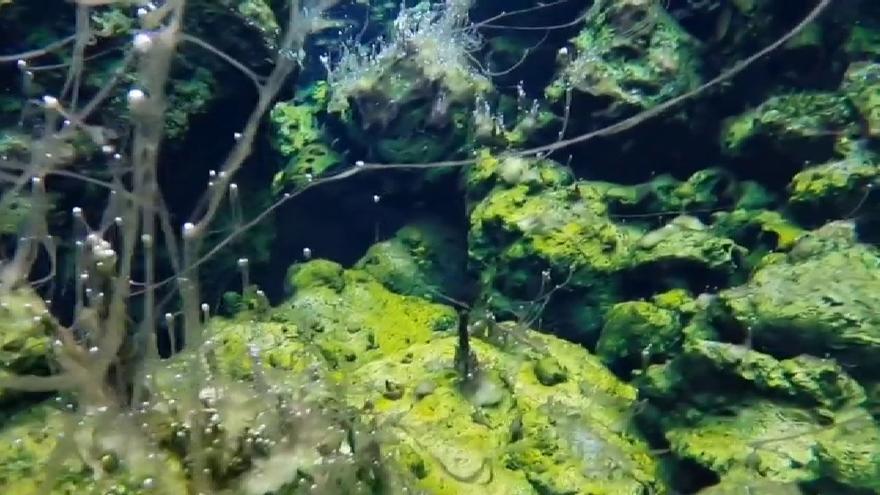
439	247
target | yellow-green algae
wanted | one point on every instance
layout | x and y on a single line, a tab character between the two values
44	449
566	438
783	443
511	435
354	318
25	329
818	298
635	331
753	228
834	189
425	258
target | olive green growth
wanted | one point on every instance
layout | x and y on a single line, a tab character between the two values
631	52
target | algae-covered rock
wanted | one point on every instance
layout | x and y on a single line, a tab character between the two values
294	125
565	227
804	379
103	456
705	190
798	125
835	189
781	443
549	372
425	258
521	233
317	273
25	331
636	332
746	415
861	84
543	416
490	171
410	100
738	483
298	138
760	231
686	241
631	53
560	437
352	318
311	161
818	299
530	241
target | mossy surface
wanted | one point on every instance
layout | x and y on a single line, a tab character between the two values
425	258
816	299
631	52
685	240
705	190
834	189
861	84
565	227
804	379
780	442
543	417
25	331
37	457
637	332
799	125
560	438
354	319
761	230
758	418
295	126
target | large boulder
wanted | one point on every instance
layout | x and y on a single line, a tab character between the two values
745	415
819	299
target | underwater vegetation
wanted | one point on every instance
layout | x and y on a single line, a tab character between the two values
439	247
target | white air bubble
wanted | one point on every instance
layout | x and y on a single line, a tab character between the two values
51	103
142	42
136	97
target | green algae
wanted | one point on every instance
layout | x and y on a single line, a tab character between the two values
25	330
762	230
685	240
636	332
557	420
861	84
799	124
425	258
551	438
804	379
833	189
813	300
295	126
35	460
780	443
755	375
631	52
354	318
